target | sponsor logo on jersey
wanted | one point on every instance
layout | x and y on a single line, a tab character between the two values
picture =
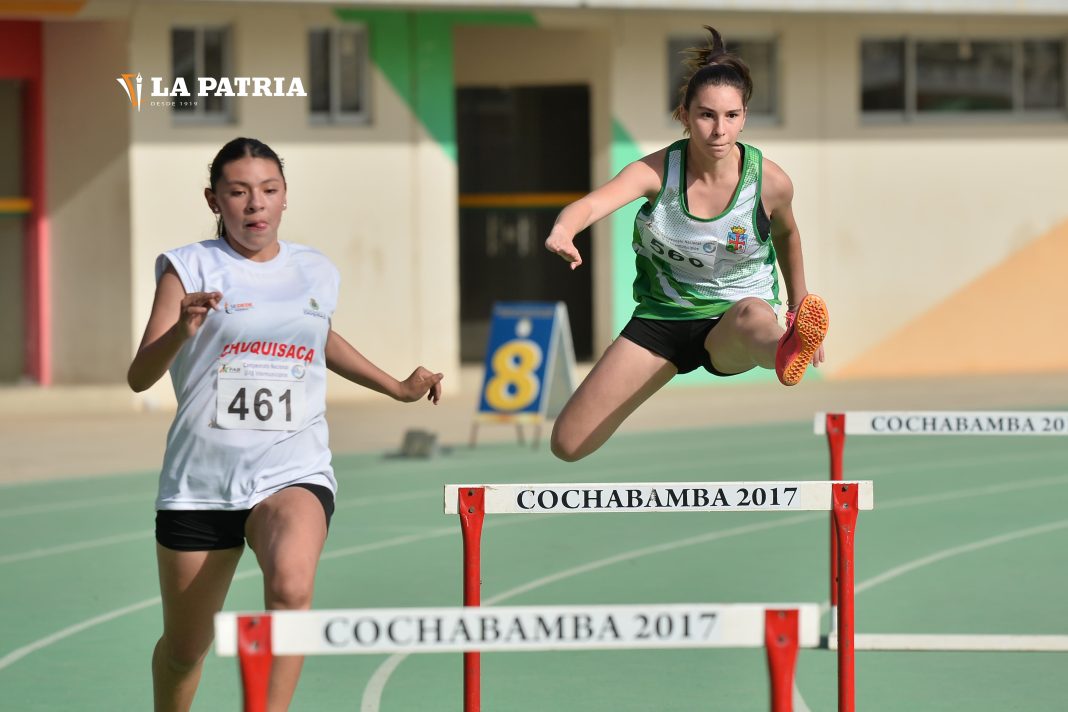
736	243
231	308
709	247
313	309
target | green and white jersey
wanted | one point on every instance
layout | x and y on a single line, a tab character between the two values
696	268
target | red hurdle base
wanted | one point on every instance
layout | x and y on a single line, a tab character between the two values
255	658
781	643
781	636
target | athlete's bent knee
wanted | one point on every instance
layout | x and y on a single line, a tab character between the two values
751	309
180	658
291	593
565	448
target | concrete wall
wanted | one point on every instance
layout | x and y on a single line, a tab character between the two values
87	135
375	198
898	220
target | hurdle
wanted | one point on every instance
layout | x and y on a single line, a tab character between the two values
835	426
842	499
256	638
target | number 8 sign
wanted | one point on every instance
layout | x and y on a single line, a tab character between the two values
514	384
529	359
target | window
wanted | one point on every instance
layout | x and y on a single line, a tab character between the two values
1043	74
883	75
912	77
339	67
760	55
201	52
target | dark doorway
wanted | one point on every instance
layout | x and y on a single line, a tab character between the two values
13	209
524	153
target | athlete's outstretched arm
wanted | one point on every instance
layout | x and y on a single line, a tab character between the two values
343	359
640	178
779	196
175	317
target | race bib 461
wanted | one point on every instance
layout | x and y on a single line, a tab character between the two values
261	395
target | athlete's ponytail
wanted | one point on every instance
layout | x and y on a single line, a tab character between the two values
713	64
235	150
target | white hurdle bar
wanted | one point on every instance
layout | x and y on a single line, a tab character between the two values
947	422
948	643
588	498
836	426
843	499
256	638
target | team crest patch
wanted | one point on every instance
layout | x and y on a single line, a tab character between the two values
738	240
313	309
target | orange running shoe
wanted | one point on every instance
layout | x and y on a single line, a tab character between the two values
805	331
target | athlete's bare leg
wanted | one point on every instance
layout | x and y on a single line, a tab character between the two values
193	586
624	378
746	336
287	531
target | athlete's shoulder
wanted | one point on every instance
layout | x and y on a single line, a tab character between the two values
204	247
777	186
657	159
651	169
311	257
307	252
187	260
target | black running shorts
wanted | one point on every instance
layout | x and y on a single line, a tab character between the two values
211	529
680	341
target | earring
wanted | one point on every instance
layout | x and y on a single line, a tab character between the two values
285	205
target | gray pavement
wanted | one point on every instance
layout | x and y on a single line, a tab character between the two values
80	432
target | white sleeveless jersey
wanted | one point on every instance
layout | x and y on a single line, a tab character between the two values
251	384
696	268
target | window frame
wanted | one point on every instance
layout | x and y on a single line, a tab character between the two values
775	117
911	114
335	116
200	116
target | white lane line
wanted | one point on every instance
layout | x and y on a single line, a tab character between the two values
444	466
372	696
909	566
133	536
387	498
1019	486
79	546
19	653
150	497
77	504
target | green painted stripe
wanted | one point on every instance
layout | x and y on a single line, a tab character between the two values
414	51
625	150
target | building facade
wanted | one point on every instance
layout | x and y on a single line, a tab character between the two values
427	150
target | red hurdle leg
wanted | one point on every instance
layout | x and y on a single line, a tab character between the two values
845	518
781	641
472	513
255	658
835	426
